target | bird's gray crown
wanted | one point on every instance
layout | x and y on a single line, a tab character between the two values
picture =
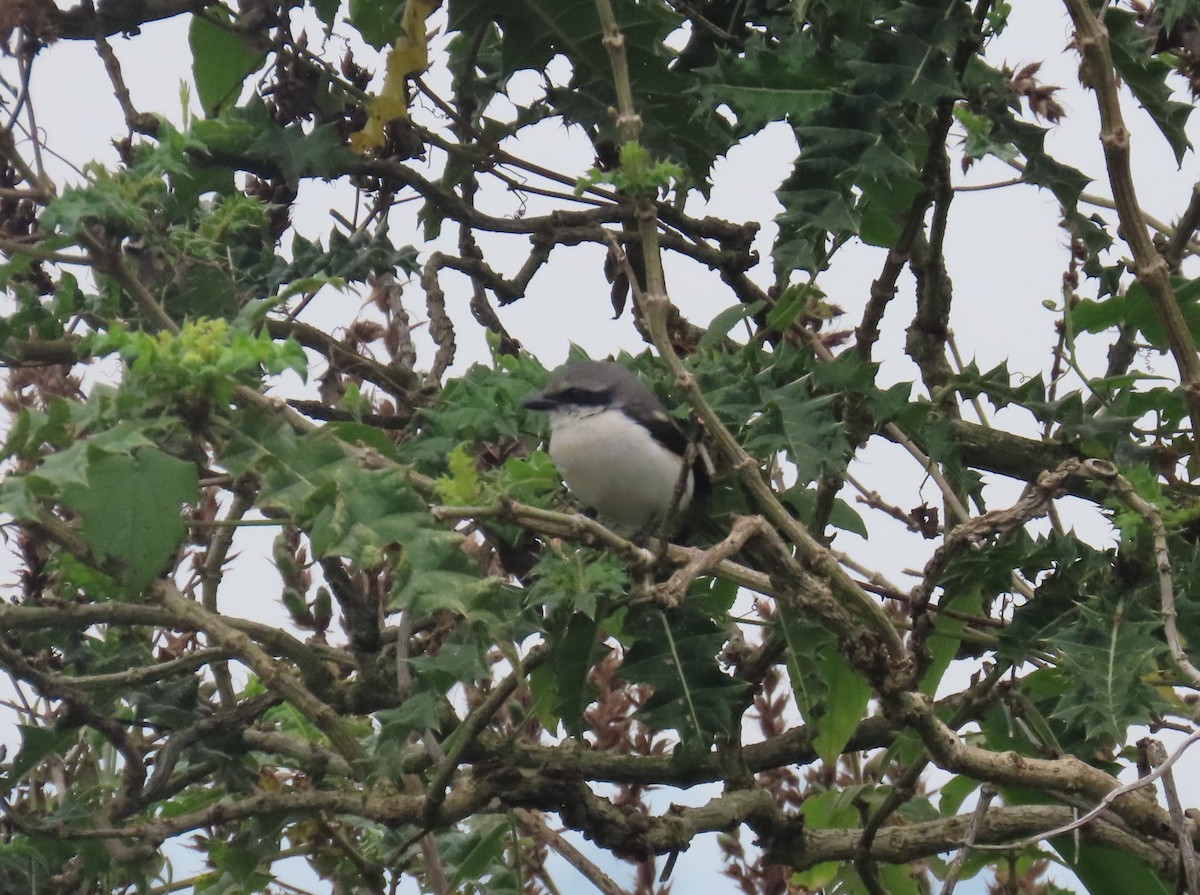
594	383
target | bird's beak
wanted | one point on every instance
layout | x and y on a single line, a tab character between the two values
538	401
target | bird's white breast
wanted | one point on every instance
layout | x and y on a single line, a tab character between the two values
615	466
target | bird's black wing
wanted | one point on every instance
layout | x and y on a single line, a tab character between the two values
664	429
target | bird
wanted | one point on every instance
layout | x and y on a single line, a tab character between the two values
619	451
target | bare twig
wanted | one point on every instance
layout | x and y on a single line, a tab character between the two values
273	676
441	328
1155	754
744	528
211	577
464	736
135	121
1108	799
1159	226
33	250
977	187
629	123
875	501
533	824
108	260
953	504
434	866
38	181
1181	239
986	794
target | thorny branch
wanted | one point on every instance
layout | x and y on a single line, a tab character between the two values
1091	37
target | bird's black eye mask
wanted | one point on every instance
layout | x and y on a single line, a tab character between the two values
584	397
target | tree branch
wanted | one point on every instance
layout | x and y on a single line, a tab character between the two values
1091	38
87	21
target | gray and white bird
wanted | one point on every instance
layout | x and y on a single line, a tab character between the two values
617	448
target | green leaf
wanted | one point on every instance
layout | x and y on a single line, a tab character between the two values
580	580
721	325
543	686
1146	76
1135	308
898	879
349	511
955	792
979	142
190	800
360	515
817	877
418	712
849	694
131	509
803	425
831	696
637	175
378	21
576	649
989	97
250	131
203	290
64	468
676	652
222	59
1106	871
803	503
320	153
530	477
764	84
833	809
481	851
430	590
998	385
533	32
947	636
455	663
862	149
1103	657
36	744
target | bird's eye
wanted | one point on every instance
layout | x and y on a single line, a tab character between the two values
584	396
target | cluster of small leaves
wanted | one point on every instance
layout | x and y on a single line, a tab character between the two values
636	175
207	359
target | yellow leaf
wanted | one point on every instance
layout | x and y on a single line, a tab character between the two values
408	56
370	137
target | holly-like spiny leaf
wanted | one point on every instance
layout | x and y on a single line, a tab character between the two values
222	59
131	507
